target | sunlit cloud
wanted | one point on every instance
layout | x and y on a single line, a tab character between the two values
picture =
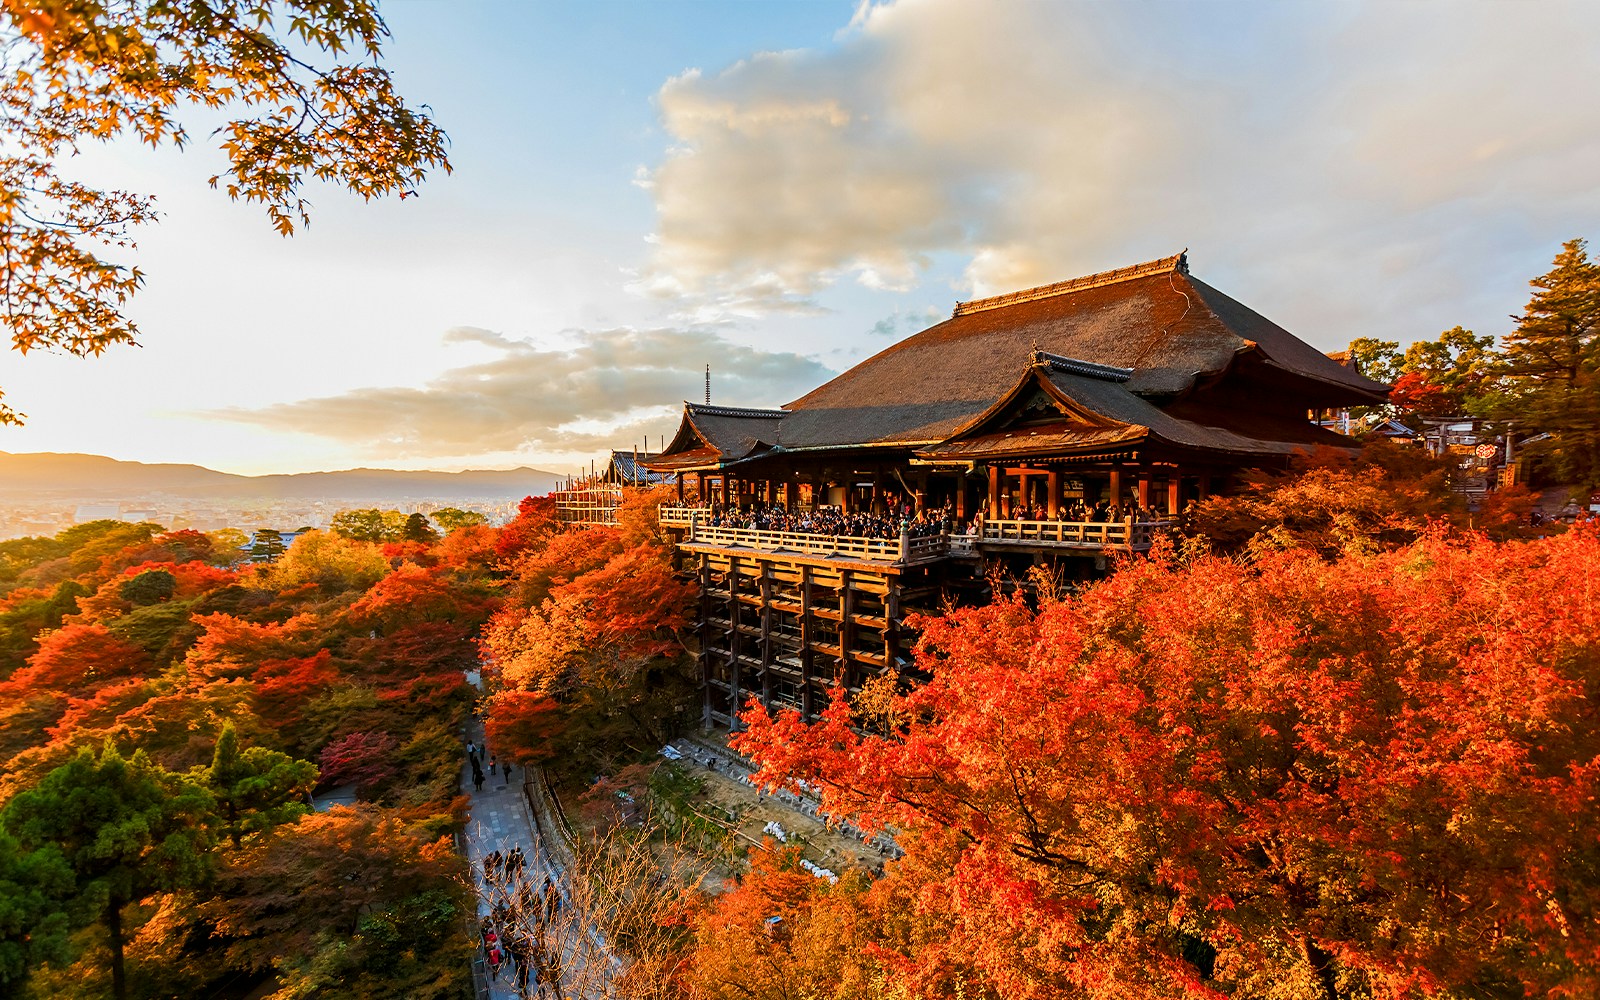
1039	141
601	388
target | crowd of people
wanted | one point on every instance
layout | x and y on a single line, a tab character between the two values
891	518
1076	511
887	522
514	933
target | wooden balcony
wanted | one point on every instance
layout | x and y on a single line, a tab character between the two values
1126	535
682	517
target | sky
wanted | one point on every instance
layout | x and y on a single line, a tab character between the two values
782	189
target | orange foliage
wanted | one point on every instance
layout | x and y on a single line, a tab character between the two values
522	726
412	594
101	711
564	558
284	686
192	579
77	659
1377	775
470	546
535	520
232	647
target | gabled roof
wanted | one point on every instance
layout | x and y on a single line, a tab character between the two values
1098	413
711	436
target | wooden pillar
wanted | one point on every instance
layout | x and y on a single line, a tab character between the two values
1174	493
772	493
700	488
791	494
1144	486
875	504
735	638
961	496
807	635
1005	496
680	486
1116	484
1022	493
844	500
922	489
1053	487
994	491
724	478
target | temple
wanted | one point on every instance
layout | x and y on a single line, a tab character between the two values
1055	425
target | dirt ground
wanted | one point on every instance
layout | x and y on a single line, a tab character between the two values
823	845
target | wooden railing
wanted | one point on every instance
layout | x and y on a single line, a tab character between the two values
873	549
682	517
1126	534
1123	534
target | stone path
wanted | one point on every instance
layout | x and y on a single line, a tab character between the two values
500	820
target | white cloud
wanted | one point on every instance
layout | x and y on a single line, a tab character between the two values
1425	145
600	388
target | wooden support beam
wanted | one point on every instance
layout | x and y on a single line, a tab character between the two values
1053	487
1116	484
1174	492
735	638
807	636
994	492
1144	486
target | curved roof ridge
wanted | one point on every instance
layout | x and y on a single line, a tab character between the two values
764	413
1177	262
1060	363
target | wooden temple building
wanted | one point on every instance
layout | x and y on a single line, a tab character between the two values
1132	391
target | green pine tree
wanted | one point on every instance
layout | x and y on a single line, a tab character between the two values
1551	367
256	789
126	827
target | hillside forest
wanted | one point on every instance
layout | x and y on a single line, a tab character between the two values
1323	761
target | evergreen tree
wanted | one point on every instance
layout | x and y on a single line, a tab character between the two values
418	529
266	545
125	827
255	788
1552	366
34	888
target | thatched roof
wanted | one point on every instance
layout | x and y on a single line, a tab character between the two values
1175	336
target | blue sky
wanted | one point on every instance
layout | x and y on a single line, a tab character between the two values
781	189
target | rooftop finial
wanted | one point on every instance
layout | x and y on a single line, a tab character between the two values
708	385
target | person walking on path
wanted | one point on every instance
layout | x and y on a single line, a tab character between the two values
491	764
477	776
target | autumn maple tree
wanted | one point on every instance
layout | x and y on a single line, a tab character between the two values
1295	779
312	103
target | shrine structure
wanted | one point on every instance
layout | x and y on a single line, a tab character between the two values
1057	424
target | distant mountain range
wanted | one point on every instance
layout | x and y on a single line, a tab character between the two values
98	476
